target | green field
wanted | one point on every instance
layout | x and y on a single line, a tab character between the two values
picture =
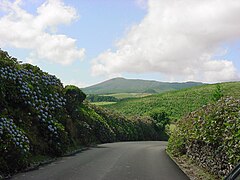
128	95
175	103
103	103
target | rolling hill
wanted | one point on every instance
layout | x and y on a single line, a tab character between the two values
175	103
122	85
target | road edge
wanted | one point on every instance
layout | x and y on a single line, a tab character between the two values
37	165
180	167
193	171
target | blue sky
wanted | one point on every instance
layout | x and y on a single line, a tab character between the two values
91	41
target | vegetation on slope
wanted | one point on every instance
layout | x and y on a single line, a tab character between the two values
121	96
40	117
98	98
121	85
175	103
102	103
136	128
210	136
209	129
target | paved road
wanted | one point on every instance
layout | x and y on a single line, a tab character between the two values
114	161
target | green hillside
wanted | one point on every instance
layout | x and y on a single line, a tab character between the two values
122	85
206	130
176	103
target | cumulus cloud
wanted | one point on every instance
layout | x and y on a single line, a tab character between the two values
76	83
179	39
20	29
141	3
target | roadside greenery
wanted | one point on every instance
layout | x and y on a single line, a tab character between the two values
41	118
210	136
204	122
135	128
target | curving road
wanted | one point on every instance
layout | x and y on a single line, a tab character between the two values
115	161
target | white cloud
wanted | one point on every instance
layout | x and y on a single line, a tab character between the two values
20	29
76	83
141	3
178	39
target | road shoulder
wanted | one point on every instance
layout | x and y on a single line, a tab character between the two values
193	171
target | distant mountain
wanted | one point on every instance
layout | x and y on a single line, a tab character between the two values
122	85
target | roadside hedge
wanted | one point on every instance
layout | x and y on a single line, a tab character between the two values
41	117
210	136
129	129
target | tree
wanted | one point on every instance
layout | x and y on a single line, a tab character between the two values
160	118
74	97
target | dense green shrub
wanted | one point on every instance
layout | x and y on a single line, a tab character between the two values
161	120
134	128
74	97
146	128
6	60
121	126
101	129
217	94
31	108
14	145
210	135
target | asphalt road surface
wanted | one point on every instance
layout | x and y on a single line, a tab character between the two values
115	161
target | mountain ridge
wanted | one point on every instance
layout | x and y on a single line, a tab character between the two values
124	85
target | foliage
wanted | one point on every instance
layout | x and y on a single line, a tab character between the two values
102	103
98	98
125	129
100	128
160	121
160	118
210	135
14	144
39	117
6	60
122	96
31	106
150	91
217	94
175	103
74	97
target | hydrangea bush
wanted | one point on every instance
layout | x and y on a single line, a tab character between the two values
36	92
30	99
10	134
